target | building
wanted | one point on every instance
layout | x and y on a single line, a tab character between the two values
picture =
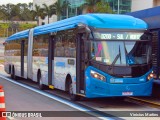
47	2
75	7
140	4
72	8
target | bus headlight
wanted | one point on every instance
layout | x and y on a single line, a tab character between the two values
151	75
97	76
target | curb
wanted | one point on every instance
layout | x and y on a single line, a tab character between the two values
145	101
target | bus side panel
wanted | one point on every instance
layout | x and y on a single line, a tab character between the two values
16	56
25	67
63	67
7	58
17	65
40	57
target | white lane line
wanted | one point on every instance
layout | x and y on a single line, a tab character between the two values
11	118
57	99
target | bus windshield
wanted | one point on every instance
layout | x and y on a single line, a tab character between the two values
121	53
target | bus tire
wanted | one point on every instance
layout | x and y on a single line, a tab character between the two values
13	76
39	78
9	69
73	97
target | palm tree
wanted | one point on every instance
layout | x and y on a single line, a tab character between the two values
103	7
6	9
48	10
30	5
58	9
37	13
90	5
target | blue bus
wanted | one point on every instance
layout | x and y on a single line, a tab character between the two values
91	55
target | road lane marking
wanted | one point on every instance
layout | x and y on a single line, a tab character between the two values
58	99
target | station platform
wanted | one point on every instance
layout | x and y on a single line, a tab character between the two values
153	100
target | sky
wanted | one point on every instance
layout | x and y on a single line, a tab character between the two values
14	1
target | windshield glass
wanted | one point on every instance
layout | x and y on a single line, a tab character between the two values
121	52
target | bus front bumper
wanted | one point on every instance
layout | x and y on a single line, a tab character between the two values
95	89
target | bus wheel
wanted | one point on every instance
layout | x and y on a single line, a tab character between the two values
73	97
13	76
40	84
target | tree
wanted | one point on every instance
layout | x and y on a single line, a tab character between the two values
90	5
57	9
6	10
48	11
16	12
103	7
38	12
30	5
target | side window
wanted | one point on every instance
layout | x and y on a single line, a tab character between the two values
40	45
15	47
65	45
71	45
25	46
59	46
7	49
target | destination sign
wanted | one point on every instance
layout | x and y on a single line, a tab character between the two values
119	36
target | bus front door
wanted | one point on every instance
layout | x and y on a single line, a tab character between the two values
80	65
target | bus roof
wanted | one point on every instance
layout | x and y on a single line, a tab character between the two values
18	35
108	21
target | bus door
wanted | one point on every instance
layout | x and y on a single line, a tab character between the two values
51	61
80	65
22	57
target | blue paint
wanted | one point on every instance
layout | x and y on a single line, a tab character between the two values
96	88
19	35
60	64
46	60
151	16
107	21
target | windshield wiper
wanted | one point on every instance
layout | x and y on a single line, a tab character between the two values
116	58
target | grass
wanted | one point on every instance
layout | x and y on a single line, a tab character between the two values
5	33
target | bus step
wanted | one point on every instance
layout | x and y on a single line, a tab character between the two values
80	95
51	86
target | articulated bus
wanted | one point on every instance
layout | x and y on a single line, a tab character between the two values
91	55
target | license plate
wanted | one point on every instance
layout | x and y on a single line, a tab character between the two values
127	93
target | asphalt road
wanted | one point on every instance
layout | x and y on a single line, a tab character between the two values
22	99
18	98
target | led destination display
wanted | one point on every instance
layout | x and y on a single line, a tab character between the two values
119	36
